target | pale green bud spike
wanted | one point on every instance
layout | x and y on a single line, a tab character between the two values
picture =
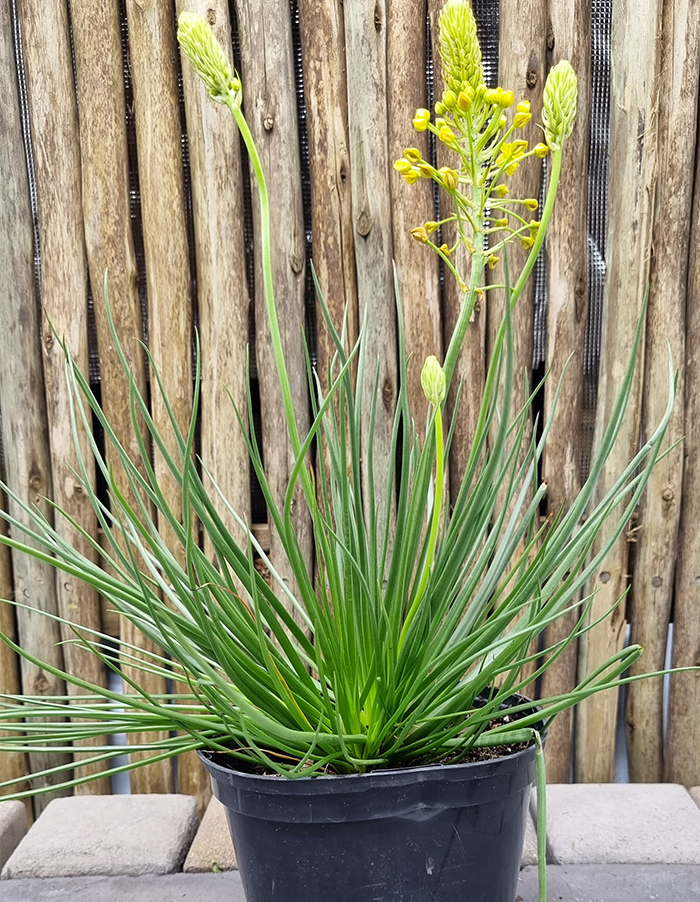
432	380
459	46
559	104
207	57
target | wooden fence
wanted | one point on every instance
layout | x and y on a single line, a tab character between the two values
112	158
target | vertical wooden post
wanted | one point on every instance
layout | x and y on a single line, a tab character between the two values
64	284
222	293
325	81
659	514
366	56
567	312
110	248
412	205
632	179
153	51
270	104
24	430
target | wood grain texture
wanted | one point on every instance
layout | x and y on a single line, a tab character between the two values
659	512
567	312
632	180
153	55
105	189
24	429
222	293
12	766
366	55
412	205
682	763
322	35
64	295
270	104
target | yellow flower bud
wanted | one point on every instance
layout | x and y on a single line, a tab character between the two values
531	203
500	223
420	234
422	113
207	57
449	99
425	170
464	101
469	244
540	150
491	96
534	225
446	135
520	146
527	242
445	250
492	261
402	166
502	122
431	226
521	119
505	98
459	46
412	154
440	123
559	104
523	107
432	380
502	190
412	176
421	120
450	178
440	109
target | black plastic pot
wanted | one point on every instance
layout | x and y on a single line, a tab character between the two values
423	834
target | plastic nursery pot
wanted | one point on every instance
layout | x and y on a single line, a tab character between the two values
441	833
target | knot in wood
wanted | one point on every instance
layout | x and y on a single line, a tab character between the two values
297	263
604	577
268	123
211	17
48	341
388	394
531	78
364	223
36	480
41	683
667	495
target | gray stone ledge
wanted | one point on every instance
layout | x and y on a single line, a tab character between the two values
13	827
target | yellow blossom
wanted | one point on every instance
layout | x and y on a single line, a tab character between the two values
402	166
412	154
420	234
540	150
450	178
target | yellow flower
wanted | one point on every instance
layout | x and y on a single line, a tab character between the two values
521	119
510	155
412	176
402	166
491	96
421	120
505	98
540	150
446	135
502	190
450	178
445	250
492	261
500	223
464	101
531	203
431	226
449	99
412	154
527	242
420	234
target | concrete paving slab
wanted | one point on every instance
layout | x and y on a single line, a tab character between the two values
106	835
592	823
13	827
613	883
212	848
529	855
167	888
695	795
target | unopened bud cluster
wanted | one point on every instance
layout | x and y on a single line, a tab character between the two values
207	57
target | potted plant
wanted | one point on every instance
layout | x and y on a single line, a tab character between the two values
374	742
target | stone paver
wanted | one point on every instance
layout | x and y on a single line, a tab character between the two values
611	883
212	848
622	824
695	794
13	826
167	888
530	847
106	835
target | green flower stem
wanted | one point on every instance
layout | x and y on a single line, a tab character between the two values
435	524
475	279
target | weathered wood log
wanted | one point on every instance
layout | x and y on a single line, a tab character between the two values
567	313
13	766
271	109
412	205
24	430
682	764
659	513
110	249
632	179
366	56
322	35
64	296
153	52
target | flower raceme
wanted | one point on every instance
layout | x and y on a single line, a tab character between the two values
472	123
